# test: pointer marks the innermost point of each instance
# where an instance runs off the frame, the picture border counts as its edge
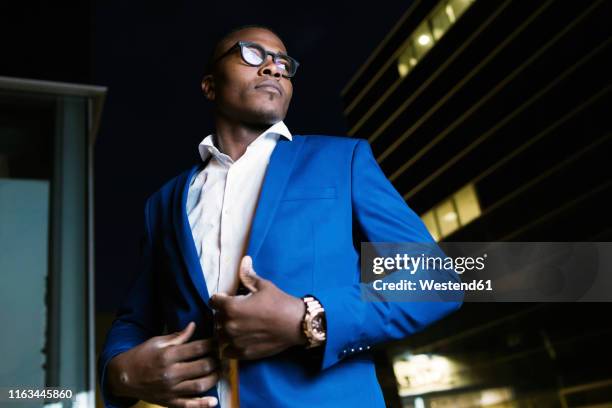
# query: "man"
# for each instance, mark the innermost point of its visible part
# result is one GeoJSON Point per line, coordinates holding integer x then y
{"type": "Point", "coordinates": [296, 206]}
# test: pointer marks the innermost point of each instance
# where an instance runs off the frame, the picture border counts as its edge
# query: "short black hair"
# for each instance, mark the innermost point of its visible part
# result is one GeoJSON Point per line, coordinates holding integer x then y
{"type": "Point", "coordinates": [228, 33]}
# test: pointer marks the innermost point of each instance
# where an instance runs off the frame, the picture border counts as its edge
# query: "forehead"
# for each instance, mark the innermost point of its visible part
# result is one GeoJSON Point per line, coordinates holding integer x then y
{"type": "Point", "coordinates": [258, 35]}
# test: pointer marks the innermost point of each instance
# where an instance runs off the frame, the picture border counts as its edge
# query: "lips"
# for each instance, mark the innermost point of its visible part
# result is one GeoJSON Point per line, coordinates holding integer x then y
{"type": "Point", "coordinates": [270, 85]}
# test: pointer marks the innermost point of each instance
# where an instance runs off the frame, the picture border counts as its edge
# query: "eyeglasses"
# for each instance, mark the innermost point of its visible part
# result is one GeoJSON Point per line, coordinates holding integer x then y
{"type": "Point", "coordinates": [255, 55]}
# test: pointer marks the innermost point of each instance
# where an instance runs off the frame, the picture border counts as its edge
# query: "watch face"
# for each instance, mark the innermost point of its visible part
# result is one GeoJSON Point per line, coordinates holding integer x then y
{"type": "Point", "coordinates": [317, 324]}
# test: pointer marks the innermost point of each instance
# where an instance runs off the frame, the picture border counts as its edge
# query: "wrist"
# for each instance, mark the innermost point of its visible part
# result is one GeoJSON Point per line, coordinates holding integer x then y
{"type": "Point", "coordinates": [300, 338]}
{"type": "Point", "coordinates": [117, 377]}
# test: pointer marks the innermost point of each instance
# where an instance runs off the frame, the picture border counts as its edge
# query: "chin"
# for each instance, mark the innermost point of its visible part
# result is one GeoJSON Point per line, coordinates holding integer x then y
{"type": "Point", "coordinates": [268, 117]}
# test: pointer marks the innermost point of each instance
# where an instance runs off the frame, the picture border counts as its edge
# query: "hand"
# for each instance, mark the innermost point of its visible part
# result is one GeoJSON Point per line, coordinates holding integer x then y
{"type": "Point", "coordinates": [167, 371]}
{"type": "Point", "coordinates": [260, 324]}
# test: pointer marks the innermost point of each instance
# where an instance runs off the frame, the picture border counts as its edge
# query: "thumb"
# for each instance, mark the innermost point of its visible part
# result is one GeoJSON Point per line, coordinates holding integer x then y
{"type": "Point", "coordinates": [248, 277]}
{"type": "Point", "coordinates": [180, 337]}
{"type": "Point", "coordinates": [219, 301]}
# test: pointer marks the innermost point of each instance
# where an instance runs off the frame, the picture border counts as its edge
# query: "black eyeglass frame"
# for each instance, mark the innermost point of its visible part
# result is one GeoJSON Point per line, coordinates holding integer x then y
{"type": "Point", "coordinates": [275, 56]}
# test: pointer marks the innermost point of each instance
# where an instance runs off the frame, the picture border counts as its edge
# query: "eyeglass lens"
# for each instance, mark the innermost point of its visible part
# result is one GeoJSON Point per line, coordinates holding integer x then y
{"type": "Point", "coordinates": [255, 56]}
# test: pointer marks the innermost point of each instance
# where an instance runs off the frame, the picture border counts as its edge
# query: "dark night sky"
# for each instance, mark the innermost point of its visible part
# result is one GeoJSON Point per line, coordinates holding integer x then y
{"type": "Point", "coordinates": [151, 54]}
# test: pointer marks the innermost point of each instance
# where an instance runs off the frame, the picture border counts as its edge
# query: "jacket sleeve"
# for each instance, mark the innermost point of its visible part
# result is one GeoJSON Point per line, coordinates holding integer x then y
{"type": "Point", "coordinates": [354, 324]}
{"type": "Point", "coordinates": [137, 320]}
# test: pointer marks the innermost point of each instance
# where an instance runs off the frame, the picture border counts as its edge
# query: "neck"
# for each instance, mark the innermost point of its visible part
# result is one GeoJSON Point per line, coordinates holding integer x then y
{"type": "Point", "coordinates": [233, 138]}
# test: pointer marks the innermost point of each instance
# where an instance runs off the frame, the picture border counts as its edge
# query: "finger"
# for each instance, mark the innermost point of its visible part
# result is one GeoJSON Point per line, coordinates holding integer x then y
{"type": "Point", "coordinates": [196, 386]}
{"type": "Point", "coordinates": [191, 350]}
{"type": "Point", "coordinates": [179, 337]}
{"type": "Point", "coordinates": [247, 274]}
{"type": "Point", "coordinates": [196, 369]}
{"type": "Point", "coordinates": [201, 402]}
{"type": "Point", "coordinates": [219, 301]}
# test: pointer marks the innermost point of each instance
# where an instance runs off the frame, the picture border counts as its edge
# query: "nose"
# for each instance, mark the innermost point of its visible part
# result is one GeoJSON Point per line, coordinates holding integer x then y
{"type": "Point", "coordinates": [270, 68]}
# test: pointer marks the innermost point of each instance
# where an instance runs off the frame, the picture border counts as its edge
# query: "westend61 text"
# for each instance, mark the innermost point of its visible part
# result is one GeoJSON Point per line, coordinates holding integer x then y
{"type": "Point", "coordinates": [430, 284]}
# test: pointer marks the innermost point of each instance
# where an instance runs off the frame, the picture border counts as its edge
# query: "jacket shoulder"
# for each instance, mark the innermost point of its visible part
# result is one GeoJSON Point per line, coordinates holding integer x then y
{"type": "Point", "coordinates": [334, 143]}
{"type": "Point", "coordinates": [329, 140]}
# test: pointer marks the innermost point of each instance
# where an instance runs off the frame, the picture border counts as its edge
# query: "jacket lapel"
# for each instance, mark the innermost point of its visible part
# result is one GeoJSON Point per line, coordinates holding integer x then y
{"type": "Point", "coordinates": [183, 232]}
{"type": "Point", "coordinates": [277, 175]}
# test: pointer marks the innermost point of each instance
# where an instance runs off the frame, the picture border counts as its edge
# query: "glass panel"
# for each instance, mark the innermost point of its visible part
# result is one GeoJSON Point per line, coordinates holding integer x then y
{"type": "Point", "coordinates": [419, 374]}
{"type": "Point", "coordinates": [459, 6]}
{"type": "Point", "coordinates": [24, 232]}
{"type": "Point", "coordinates": [430, 222]}
{"type": "Point", "coordinates": [406, 61]}
{"type": "Point", "coordinates": [450, 13]}
{"type": "Point", "coordinates": [27, 125]}
{"type": "Point", "coordinates": [447, 218]}
{"type": "Point", "coordinates": [491, 397]}
{"type": "Point", "coordinates": [70, 241]}
{"type": "Point", "coordinates": [402, 68]}
{"type": "Point", "coordinates": [467, 204]}
{"type": "Point", "coordinates": [43, 241]}
{"type": "Point", "coordinates": [440, 22]}
{"type": "Point", "coordinates": [422, 40]}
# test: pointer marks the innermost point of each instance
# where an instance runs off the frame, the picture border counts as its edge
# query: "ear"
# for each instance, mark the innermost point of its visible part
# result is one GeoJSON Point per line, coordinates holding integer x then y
{"type": "Point", "coordinates": [208, 87]}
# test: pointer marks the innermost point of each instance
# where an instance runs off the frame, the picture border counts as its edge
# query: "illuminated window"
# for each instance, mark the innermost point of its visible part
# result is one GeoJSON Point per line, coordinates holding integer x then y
{"type": "Point", "coordinates": [407, 60]}
{"type": "Point", "coordinates": [440, 22]}
{"type": "Point", "coordinates": [430, 222]}
{"type": "Point", "coordinates": [489, 397]}
{"type": "Point", "coordinates": [429, 32]}
{"type": "Point", "coordinates": [447, 218]}
{"type": "Point", "coordinates": [422, 39]}
{"type": "Point", "coordinates": [453, 213]}
{"type": "Point", "coordinates": [422, 373]}
{"type": "Point", "coordinates": [467, 204]}
{"type": "Point", "coordinates": [459, 6]}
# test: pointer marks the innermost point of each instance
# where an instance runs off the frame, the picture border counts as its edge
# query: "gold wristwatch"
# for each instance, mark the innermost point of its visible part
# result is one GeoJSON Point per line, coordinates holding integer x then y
{"type": "Point", "coordinates": [313, 323]}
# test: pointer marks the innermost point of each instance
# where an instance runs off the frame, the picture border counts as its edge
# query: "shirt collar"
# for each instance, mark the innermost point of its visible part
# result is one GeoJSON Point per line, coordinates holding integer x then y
{"type": "Point", "coordinates": [207, 146]}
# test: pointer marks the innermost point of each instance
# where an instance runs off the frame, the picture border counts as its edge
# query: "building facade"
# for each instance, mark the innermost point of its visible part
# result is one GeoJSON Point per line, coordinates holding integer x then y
{"type": "Point", "coordinates": [491, 118]}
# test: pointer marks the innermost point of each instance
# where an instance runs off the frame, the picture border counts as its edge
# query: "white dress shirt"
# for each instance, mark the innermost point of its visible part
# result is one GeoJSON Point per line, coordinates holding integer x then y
{"type": "Point", "coordinates": [221, 203]}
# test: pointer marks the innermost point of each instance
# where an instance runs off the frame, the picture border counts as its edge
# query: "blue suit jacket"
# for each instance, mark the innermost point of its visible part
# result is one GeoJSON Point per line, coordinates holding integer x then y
{"type": "Point", "coordinates": [318, 195]}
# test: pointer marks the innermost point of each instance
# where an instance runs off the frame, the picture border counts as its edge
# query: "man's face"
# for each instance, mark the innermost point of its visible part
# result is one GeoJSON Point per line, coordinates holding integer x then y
{"type": "Point", "coordinates": [253, 95]}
